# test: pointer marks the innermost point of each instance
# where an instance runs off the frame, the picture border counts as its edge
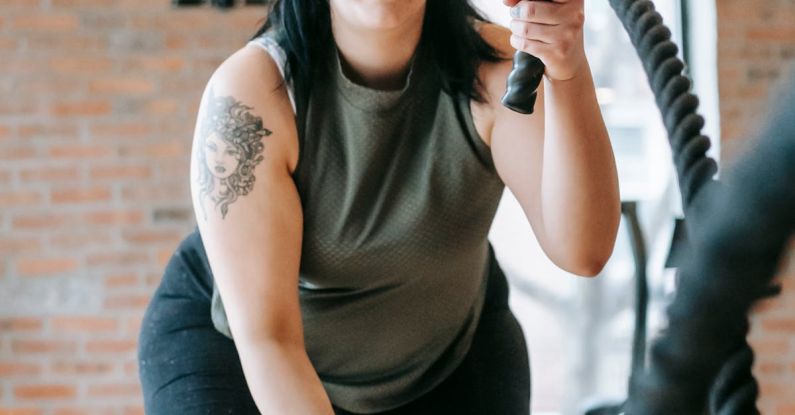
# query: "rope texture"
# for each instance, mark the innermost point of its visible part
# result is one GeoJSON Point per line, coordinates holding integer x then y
{"type": "Point", "coordinates": [702, 361]}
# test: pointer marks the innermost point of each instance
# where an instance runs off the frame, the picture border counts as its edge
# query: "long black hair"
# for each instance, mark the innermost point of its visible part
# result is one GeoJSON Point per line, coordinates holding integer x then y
{"type": "Point", "coordinates": [448, 30]}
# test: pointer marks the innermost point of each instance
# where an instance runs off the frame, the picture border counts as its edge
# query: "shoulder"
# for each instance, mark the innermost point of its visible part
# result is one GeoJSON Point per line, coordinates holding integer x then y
{"type": "Point", "coordinates": [492, 76]}
{"type": "Point", "coordinates": [253, 80]}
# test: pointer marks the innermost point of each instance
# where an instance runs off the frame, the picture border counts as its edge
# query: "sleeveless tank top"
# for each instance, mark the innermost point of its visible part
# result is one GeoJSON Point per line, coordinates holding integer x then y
{"type": "Point", "coordinates": [398, 194]}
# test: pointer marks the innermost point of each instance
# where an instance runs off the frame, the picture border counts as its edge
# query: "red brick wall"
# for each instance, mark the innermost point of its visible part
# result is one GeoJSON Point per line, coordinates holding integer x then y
{"type": "Point", "coordinates": [756, 51]}
{"type": "Point", "coordinates": [98, 102]}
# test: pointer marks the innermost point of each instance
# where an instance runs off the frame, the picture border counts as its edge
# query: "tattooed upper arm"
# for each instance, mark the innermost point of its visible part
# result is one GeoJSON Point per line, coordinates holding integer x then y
{"type": "Point", "coordinates": [230, 145]}
{"type": "Point", "coordinates": [246, 204]}
{"type": "Point", "coordinates": [234, 128]}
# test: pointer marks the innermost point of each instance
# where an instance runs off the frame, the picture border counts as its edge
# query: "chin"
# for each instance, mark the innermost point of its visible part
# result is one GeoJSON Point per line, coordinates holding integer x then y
{"type": "Point", "coordinates": [378, 14]}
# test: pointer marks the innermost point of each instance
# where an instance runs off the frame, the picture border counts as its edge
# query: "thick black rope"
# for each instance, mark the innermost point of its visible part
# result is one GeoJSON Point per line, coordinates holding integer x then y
{"type": "Point", "coordinates": [735, 255]}
{"type": "Point", "coordinates": [652, 40]}
{"type": "Point", "coordinates": [732, 263]}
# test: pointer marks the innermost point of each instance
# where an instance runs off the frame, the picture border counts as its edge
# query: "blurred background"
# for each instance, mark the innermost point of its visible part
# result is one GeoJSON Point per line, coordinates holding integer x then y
{"type": "Point", "coordinates": [98, 101]}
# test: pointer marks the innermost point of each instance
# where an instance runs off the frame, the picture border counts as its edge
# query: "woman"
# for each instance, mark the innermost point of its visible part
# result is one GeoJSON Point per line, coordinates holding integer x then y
{"type": "Point", "coordinates": [354, 265]}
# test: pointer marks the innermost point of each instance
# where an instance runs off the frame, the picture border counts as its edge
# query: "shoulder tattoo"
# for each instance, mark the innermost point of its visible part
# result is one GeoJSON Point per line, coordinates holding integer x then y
{"type": "Point", "coordinates": [230, 146]}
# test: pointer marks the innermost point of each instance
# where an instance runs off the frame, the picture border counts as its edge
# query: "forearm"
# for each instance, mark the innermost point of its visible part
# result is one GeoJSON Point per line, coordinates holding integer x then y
{"type": "Point", "coordinates": [580, 199]}
{"type": "Point", "coordinates": [282, 380]}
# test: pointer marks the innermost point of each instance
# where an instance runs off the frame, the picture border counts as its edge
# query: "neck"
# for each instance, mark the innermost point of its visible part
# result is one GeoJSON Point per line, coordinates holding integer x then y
{"type": "Point", "coordinates": [378, 59]}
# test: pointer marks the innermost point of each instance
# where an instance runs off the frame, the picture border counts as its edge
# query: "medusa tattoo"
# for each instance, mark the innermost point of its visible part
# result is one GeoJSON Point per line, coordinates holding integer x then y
{"type": "Point", "coordinates": [230, 147]}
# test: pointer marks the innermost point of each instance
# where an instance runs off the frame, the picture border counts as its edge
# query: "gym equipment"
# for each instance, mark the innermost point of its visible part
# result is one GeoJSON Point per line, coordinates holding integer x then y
{"type": "Point", "coordinates": [737, 230]}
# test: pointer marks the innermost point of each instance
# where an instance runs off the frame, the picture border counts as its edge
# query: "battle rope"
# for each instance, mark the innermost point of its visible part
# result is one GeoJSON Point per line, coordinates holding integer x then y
{"type": "Point", "coordinates": [736, 253]}
{"type": "Point", "coordinates": [734, 259]}
{"type": "Point", "coordinates": [705, 342]}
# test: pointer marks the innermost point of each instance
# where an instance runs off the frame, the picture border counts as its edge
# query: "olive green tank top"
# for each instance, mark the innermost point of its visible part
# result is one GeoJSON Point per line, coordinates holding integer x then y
{"type": "Point", "coordinates": [398, 194]}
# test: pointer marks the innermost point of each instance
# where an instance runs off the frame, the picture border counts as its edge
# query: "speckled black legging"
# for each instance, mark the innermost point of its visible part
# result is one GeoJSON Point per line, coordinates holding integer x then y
{"type": "Point", "coordinates": [187, 367]}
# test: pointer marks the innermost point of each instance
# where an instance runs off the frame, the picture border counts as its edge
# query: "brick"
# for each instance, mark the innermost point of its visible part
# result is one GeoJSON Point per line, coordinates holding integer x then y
{"type": "Point", "coordinates": [5, 177]}
{"type": "Point", "coordinates": [45, 265]}
{"type": "Point", "coordinates": [83, 324]}
{"type": "Point", "coordinates": [80, 151]}
{"type": "Point", "coordinates": [779, 325]}
{"type": "Point", "coordinates": [134, 129]}
{"type": "Point", "coordinates": [46, 22]}
{"type": "Point", "coordinates": [20, 198]}
{"type": "Point", "coordinates": [81, 367]}
{"type": "Point", "coordinates": [162, 192]}
{"type": "Point", "coordinates": [152, 280]}
{"type": "Point", "coordinates": [768, 346]}
{"type": "Point", "coordinates": [24, 4]}
{"type": "Point", "coordinates": [160, 64]}
{"type": "Point", "coordinates": [105, 22]}
{"type": "Point", "coordinates": [65, 42]}
{"type": "Point", "coordinates": [133, 325]}
{"type": "Point", "coordinates": [120, 172]}
{"type": "Point", "coordinates": [42, 221]}
{"type": "Point", "coordinates": [127, 258]}
{"type": "Point", "coordinates": [111, 346]}
{"type": "Point", "coordinates": [14, 245]}
{"type": "Point", "coordinates": [81, 3]}
{"type": "Point", "coordinates": [9, 324]}
{"type": "Point", "coordinates": [173, 148]}
{"type": "Point", "coordinates": [120, 280]}
{"type": "Point", "coordinates": [770, 369]}
{"type": "Point", "coordinates": [49, 174]}
{"type": "Point", "coordinates": [785, 409]}
{"type": "Point", "coordinates": [164, 106]}
{"type": "Point", "coordinates": [40, 346]}
{"type": "Point", "coordinates": [39, 87]}
{"type": "Point", "coordinates": [80, 65]}
{"type": "Point", "coordinates": [148, 237]}
{"type": "Point", "coordinates": [163, 256]}
{"type": "Point", "coordinates": [113, 390]}
{"type": "Point", "coordinates": [84, 410]}
{"type": "Point", "coordinates": [18, 152]}
{"type": "Point", "coordinates": [114, 217]}
{"type": "Point", "coordinates": [17, 410]}
{"type": "Point", "coordinates": [786, 34]}
{"type": "Point", "coordinates": [80, 108]}
{"type": "Point", "coordinates": [23, 67]}
{"type": "Point", "coordinates": [169, 215]}
{"type": "Point", "coordinates": [81, 240]}
{"type": "Point", "coordinates": [81, 195]}
{"type": "Point", "coordinates": [131, 368]}
{"type": "Point", "coordinates": [9, 369]}
{"type": "Point", "coordinates": [176, 41]}
{"type": "Point", "coordinates": [122, 85]}
{"type": "Point", "coordinates": [8, 44]}
{"type": "Point", "coordinates": [45, 391]}
{"type": "Point", "coordinates": [126, 301]}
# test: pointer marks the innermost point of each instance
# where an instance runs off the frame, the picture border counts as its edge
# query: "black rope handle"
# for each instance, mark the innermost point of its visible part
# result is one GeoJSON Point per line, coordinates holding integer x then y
{"type": "Point", "coordinates": [523, 81]}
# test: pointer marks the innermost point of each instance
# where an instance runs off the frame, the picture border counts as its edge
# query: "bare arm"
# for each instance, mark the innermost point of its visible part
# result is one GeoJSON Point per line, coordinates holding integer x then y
{"type": "Point", "coordinates": [250, 217]}
{"type": "Point", "coordinates": [559, 164]}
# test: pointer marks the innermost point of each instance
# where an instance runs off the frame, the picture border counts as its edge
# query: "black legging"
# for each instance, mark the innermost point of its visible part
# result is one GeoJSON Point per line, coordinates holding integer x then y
{"type": "Point", "coordinates": [187, 367]}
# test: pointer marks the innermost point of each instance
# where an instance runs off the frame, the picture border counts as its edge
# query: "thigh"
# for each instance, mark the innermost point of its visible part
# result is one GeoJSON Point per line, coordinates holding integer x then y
{"type": "Point", "coordinates": [185, 365]}
{"type": "Point", "coordinates": [495, 376]}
